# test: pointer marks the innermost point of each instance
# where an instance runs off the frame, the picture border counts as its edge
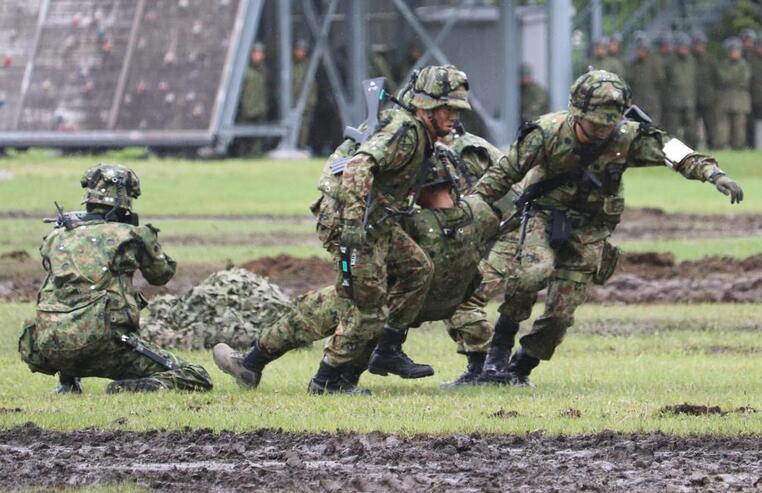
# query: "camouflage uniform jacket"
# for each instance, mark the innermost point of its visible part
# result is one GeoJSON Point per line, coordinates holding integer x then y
{"type": "Point", "coordinates": [681, 82]}
{"type": "Point", "coordinates": [609, 63]}
{"type": "Point", "coordinates": [755, 63]}
{"type": "Point", "coordinates": [88, 287]}
{"type": "Point", "coordinates": [390, 163]}
{"type": "Point", "coordinates": [645, 77]}
{"type": "Point", "coordinates": [456, 240]}
{"type": "Point", "coordinates": [299, 76]}
{"type": "Point", "coordinates": [534, 101]}
{"type": "Point", "coordinates": [551, 148]}
{"type": "Point", "coordinates": [735, 81]}
{"type": "Point", "coordinates": [706, 79]}
{"type": "Point", "coordinates": [253, 105]}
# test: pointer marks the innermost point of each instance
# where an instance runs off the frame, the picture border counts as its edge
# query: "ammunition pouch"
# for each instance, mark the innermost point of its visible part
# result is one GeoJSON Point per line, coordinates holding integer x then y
{"type": "Point", "coordinates": [613, 206]}
{"type": "Point", "coordinates": [29, 353]}
{"type": "Point", "coordinates": [609, 260]}
{"type": "Point", "coordinates": [560, 228]}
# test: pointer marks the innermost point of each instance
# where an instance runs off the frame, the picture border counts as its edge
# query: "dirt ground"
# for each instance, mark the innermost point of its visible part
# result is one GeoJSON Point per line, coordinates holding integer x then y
{"type": "Point", "coordinates": [267, 460]}
{"type": "Point", "coordinates": [640, 278]}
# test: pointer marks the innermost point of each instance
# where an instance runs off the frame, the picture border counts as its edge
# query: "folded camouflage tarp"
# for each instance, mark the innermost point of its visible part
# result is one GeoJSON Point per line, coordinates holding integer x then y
{"type": "Point", "coordinates": [230, 306]}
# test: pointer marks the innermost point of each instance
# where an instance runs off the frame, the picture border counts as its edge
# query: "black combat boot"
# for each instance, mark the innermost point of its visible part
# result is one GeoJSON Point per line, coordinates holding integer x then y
{"type": "Point", "coordinates": [68, 385]}
{"type": "Point", "coordinates": [135, 385]}
{"type": "Point", "coordinates": [496, 365]}
{"type": "Point", "coordinates": [472, 373]}
{"type": "Point", "coordinates": [333, 380]}
{"type": "Point", "coordinates": [388, 357]}
{"type": "Point", "coordinates": [352, 374]}
{"type": "Point", "coordinates": [245, 368]}
{"type": "Point", "coordinates": [520, 367]}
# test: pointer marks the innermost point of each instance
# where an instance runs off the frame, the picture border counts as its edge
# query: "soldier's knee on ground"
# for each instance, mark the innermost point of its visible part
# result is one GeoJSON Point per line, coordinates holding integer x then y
{"type": "Point", "coordinates": [189, 377]}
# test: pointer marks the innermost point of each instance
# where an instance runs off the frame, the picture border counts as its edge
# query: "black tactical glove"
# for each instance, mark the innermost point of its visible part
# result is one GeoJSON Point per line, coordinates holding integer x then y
{"type": "Point", "coordinates": [727, 186]}
{"type": "Point", "coordinates": [352, 234]}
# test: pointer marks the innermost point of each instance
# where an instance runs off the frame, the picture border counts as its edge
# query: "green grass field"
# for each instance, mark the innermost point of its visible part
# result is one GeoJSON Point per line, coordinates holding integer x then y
{"type": "Point", "coordinates": [618, 366]}
{"type": "Point", "coordinates": [287, 187]}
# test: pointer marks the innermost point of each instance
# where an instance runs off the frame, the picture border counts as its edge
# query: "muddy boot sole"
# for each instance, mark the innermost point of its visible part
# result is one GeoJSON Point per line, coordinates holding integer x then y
{"type": "Point", "coordinates": [319, 388]}
{"type": "Point", "coordinates": [231, 363]}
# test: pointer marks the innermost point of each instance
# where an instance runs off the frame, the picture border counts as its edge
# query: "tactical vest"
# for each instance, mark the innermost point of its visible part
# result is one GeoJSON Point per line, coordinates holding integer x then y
{"type": "Point", "coordinates": [83, 293]}
{"type": "Point", "coordinates": [471, 170]}
{"type": "Point", "coordinates": [583, 201]}
{"type": "Point", "coordinates": [399, 134]}
{"type": "Point", "coordinates": [454, 239]}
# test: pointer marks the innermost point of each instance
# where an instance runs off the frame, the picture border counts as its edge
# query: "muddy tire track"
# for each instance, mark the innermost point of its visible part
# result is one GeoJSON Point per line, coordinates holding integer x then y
{"type": "Point", "coordinates": [267, 460]}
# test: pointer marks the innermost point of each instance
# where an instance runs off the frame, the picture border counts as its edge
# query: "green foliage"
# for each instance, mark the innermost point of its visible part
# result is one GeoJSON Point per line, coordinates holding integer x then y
{"type": "Point", "coordinates": [618, 367]}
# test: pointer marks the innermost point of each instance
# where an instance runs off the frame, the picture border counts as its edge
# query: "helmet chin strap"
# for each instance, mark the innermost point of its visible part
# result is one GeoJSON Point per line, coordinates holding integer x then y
{"type": "Point", "coordinates": [438, 131]}
{"type": "Point", "coordinates": [592, 140]}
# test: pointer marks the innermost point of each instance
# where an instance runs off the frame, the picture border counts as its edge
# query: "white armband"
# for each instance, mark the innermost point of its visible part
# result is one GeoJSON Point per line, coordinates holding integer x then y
{"type": "Point", "coordinates": [675, 151]}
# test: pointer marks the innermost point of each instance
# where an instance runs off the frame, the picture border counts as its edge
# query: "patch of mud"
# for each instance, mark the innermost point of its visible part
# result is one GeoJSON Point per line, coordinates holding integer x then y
{"type": "Point", "coordinates": [295, 275]}
{"type": "Point", "coordinates": [650, 224]}
{"type": "Point", "coordinates": [655, 277]}
{"type": "Point", "coordinates": [640, 278]}
{"type": "Point", "coordinates": [17, 255]}
{"type": "Point", "coordinates": [259, 239]}
{"type": "Point", "coordinates": [691, 409]}
{"type": "Point", "coordinates": [267, 460]}
{"type": "Point", "coordinates": [701, 410]}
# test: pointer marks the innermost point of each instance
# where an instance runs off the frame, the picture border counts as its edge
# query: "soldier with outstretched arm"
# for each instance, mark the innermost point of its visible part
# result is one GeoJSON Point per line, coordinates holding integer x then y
{"type": "Point", "coordinates": [578, 159]}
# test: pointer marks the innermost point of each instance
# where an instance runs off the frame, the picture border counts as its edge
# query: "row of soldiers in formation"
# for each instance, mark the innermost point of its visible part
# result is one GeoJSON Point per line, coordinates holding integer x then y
{"type": "Point", "coordinates": [424, 221]}
{"type": "Point", "coordinates": [686, 89]}
{"type": "Point", "coordinates": [255, 104]}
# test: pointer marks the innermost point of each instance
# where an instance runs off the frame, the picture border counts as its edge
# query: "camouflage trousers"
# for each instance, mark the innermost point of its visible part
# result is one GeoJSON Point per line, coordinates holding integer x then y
{"type": "Point", "coordinates": [706, 115]}
{"type": "Point", "coordinates": [681, 122]}
{"type": "Point", "coordinates": [565, 272]}
{"type": "Point", "coordinates": [731, 130]}
{"type": "Point", "coordinates": [311, 317]}
{"type": "Point", "coordinates": [390, 278]}
{"type": "Point", "coordinates": [111, 358]}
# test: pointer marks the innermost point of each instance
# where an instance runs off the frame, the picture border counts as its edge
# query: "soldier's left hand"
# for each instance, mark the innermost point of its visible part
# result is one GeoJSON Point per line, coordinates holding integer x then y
{"type": "Point", "coordinates": [729, 187]}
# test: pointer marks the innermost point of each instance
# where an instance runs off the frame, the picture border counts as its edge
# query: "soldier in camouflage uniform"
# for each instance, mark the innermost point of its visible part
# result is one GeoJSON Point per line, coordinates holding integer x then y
{"type": "Point", "coordinates": [680, 108]}
{"type": "Point", "coordinates": [734, 100]}
{"type": "Point", "coordinates": [615, 51]}
{"type": "Point", "coordinates": [578, 158]}
{"type": "Point", "coordinates": [87, 310]}
{"type": "Point", "coordinates": [748, 38]}
{"type": "Point", "coordinates": [645, 76]}
{"type": "Point", "coordinates": [755, 64]}
{"type": "Point", "coordinates": [662, 59]}
{"type": "Point", "coordinates": [254, 103]}
{"type": "Point", "coordinates": [706, 88]}
{"type": "Point", "coordinates": [534, 99]}
{"type": "Point", "coordinates": [602, 60]}
{"type": "Point", "coordinates": [387, 273]}
{"type": "Point", "coordinates": [453, 234]}
{"type": "Point", "coordinates": [299, 75]}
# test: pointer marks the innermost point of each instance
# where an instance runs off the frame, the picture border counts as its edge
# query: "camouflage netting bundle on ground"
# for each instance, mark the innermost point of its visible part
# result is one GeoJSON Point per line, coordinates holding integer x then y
{"type": "Point", "coordinates": [230, 306]}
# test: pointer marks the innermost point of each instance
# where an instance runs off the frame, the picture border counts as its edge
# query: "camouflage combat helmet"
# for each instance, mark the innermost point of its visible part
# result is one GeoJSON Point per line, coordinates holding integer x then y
{"type": "Point", "coordinates": [700, 37]}
{"type": "Point", "coordinates": [732, 43]}
{"type": "Point", "coordinates": [641, 39]}
{"type": "Point", "coordinates": [682, 39]}
{"type": "Point", "coordinates": [748, 33]}
{"type": "Point", "coordinates": [600, 97]}
{"type": "Point", "coordinates": [440, 85]}
{"type": "Point", "coordinates": [112, 185]}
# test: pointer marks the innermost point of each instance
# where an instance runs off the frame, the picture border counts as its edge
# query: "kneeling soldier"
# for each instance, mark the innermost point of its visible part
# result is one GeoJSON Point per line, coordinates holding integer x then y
{"type": "Point", "coordinates": [87, 309]}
